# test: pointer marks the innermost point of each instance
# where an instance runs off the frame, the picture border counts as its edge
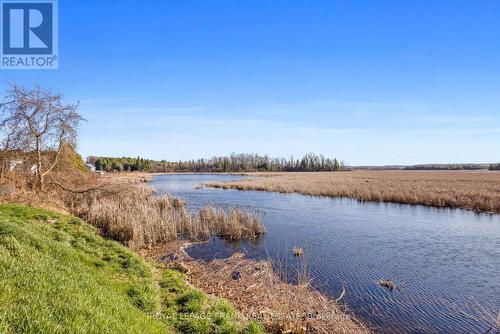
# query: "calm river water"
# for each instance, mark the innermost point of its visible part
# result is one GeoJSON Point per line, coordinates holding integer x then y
{"type": "Point", "coordinates": [445, 262]}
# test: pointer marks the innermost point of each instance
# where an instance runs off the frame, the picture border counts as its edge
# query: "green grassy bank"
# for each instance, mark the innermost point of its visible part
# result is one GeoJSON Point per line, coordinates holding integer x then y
{"type": "Point", "coordinates": [59, 276]}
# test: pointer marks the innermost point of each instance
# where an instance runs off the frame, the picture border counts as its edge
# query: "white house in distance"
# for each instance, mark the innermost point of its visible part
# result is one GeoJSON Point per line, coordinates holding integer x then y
{"type": "Point", "coordinates": [90, 167]}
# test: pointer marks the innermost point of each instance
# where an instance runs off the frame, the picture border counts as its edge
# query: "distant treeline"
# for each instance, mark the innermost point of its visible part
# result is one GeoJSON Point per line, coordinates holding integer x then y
{"type": "Point", "coordinates": [448, 167]}
{"type": "Point", "coordinates": [232, 163]}
{"type": "Point", "coordinates": [109, 164]}
{"type": "Point", "coordinates": [494, 167]}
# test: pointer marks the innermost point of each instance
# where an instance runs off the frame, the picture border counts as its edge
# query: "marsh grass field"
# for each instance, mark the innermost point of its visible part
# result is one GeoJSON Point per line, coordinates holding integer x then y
{"type": "Point", "coordinates": [476, 191]}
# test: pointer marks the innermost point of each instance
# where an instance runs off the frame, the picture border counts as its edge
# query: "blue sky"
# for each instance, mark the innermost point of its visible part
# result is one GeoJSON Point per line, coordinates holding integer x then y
{"type": "Point", "coordinates": [370, 82]}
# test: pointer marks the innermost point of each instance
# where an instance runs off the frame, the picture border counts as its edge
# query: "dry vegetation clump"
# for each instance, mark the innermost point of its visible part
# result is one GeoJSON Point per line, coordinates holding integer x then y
{"type": "Point", "coordinates": [234, 224]}
{"type": "Point", "coordinates": [138, 218]}
{"type": "Point", "coordinates": [477, 191]}
{"type": "Point", "coordinates": [258, 293]}
{"type": "Point", "coordinates": [135, 218]}
{"type": "Point", "coordinates": [128, 178]}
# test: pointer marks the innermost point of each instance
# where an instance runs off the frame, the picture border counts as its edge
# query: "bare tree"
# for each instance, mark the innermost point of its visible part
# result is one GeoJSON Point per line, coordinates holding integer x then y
{"type": "Point", "coordinates": [39, 124]}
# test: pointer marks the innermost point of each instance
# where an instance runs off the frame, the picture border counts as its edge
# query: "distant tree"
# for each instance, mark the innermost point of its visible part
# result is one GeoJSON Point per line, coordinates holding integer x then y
{"type": "Point", "coordinates": [336, 165]}
{"type": "Point", "coordinates": [115, 166]}
{"type": "Point", "coordinates": [494, 167]}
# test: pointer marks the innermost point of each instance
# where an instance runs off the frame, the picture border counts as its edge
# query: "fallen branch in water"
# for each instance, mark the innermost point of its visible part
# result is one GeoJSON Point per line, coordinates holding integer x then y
{"type": "Point", "coordinates": [341, 295]}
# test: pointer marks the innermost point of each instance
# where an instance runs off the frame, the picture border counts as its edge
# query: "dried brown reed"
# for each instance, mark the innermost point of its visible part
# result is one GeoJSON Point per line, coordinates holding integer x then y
{"type": "Point", "coordinates": [478, 191]}
{"type": "Point", "coordinates": [135, 216]}
{"type": "Point", "coordinates": [233, 224]}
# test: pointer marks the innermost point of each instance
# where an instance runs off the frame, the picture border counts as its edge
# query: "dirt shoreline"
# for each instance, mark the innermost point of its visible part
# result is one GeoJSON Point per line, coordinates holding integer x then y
{"type": "Point", "coordinates": [257, 292]}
